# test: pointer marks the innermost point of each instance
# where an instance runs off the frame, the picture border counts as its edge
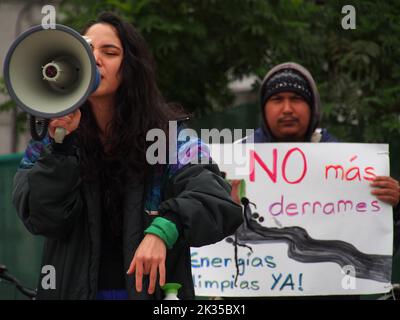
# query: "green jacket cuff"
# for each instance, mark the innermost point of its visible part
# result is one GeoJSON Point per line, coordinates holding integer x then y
{"type": "Point", "coordinates": [164, 229]}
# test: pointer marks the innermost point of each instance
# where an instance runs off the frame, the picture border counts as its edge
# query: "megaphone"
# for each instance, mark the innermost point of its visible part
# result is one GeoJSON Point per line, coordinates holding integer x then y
{"type": "Point", "coordinates": [49, 73]}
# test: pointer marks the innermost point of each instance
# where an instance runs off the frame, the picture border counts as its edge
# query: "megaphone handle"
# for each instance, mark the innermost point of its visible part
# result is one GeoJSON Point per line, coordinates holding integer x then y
{"type": "Point", "coordinates": [59, 134]}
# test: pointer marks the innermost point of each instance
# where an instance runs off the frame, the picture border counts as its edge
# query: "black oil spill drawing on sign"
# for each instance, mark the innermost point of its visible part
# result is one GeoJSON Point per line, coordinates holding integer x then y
{"type": "Point", "coordinates": [303, 248]}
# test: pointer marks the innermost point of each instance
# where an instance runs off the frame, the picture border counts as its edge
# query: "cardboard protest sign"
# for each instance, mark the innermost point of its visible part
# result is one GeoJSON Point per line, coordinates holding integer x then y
{"type": "Point", "coordinates": [311, 225]}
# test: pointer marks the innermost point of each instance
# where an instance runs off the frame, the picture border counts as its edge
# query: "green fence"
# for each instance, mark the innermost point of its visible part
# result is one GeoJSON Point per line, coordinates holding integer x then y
{"type": "Point", "coordinates": [19, 250]}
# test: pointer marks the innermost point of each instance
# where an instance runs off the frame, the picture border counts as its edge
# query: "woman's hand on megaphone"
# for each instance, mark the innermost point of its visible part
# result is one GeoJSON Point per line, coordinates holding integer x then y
{"type": "Point", "coordinates": [70, 122]}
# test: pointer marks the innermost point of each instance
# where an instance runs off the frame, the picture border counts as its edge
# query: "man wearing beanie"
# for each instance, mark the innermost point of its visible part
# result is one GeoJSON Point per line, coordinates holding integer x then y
{"type": "Point", "coordinates": [290, 105]}
{"type": "Point", "coordinates": [291, 110]}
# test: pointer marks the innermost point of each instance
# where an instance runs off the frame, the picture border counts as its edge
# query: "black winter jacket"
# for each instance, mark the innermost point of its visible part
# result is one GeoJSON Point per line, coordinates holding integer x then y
{"type": "Point", "coordinates": [52, 201]}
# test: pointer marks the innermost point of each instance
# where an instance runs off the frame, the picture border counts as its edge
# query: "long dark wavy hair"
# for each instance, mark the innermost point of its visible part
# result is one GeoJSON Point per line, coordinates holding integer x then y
{"type": "Point", "coordinates": [139, 107]}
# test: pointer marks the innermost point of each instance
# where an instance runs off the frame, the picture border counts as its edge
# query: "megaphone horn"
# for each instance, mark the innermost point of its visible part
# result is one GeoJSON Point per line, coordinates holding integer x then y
{"type": "Point", "coordinates": [49, 73]}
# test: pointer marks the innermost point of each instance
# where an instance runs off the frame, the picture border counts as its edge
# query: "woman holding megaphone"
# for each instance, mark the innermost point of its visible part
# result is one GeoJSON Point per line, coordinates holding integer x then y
{"type": "Point", "coordinates": [115, 226]}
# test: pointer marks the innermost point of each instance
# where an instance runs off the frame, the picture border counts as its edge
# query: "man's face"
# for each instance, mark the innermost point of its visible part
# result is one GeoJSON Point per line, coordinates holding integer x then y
{"type": "Point", "coordinates": [288, 116]}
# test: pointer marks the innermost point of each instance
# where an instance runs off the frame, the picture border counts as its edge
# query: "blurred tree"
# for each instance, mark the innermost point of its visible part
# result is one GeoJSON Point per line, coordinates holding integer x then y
{"type": "Point", "coordinates": [201, 45]}
{"type": "Point", "coordinates": [360, 77]}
